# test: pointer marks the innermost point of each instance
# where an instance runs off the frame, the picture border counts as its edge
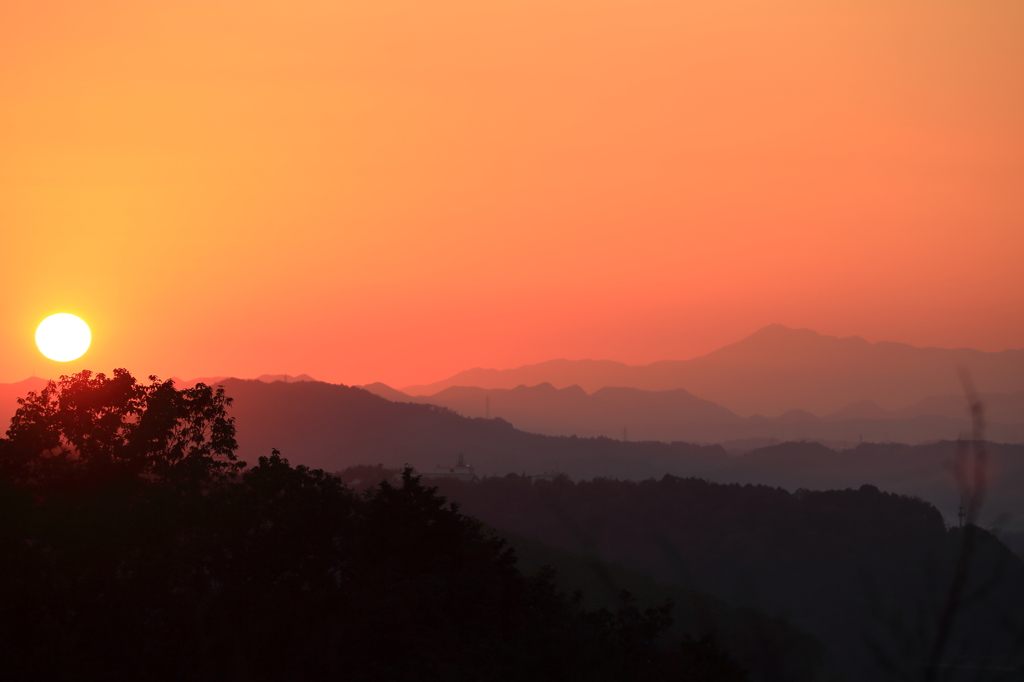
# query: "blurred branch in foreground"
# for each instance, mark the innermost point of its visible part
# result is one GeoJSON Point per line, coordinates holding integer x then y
{"type": "Point", "coordinates": [971, 476]}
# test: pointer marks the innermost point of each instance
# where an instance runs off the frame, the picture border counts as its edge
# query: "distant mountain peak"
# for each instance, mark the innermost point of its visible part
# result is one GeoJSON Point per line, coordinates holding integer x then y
{"type": "Point", "coordinates": [779, 333]}
{"type": "Point", "coordinates": [385, 391]}
{"type": "Point", "coordinates": [545, 386]}
{"type": "Point", "coordinates": [286, 378]}
{"type": "Point", "coordinates": [776, 369]}
{"type": "Point", "coordinates": [265, 378]}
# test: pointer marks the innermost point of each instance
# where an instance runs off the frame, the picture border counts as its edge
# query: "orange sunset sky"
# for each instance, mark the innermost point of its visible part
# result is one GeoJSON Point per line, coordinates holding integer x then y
{"type": "Point", "coordinates": [396, 191]}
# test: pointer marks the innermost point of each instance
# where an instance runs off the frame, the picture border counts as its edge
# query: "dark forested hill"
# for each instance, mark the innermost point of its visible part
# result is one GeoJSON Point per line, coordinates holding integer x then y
{"type": "Point", "coordinates": [769, 648]}
{"type": "Point", "coordinates": [924, 471]}
{"type": "Point", "coordinates": [858, 568]}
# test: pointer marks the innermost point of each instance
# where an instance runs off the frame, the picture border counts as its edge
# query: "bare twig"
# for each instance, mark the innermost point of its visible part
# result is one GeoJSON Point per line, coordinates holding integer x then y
{"type": "Point", "coordinates": [972, 491]}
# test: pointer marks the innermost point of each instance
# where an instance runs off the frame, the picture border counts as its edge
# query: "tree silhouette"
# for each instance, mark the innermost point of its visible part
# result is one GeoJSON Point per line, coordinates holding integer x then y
{"type": "Point", "coordinates": [94, 426]}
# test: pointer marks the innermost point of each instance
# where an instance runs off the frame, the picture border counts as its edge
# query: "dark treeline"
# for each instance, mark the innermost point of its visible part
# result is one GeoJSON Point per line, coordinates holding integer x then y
{"type": "Point", "coordinates": [865, 571]}
{"type": "Point", "coordinates": [769, 648]}
{"type": "Point", "coordinates": [131, 547]}
{"type": "Point", "coordinates": [924, 471]}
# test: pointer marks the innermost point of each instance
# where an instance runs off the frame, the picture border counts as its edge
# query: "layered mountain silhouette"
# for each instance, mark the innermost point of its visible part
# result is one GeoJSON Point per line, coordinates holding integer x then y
{"type": "Point", "coordinates": [778, 369]}
{"type": "Point", "coordinates": [662, 415]}
{"type": "Point", "coordinates": [677, 415]}
{"type": "Point", "coordinates": [332, 427]}
{"type": "Point", "coordinates": [266, 378]}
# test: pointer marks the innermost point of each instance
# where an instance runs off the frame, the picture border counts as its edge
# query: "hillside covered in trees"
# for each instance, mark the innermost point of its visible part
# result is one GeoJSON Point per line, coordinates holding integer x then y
{"type": "Point", "coordinates": [867, 572]}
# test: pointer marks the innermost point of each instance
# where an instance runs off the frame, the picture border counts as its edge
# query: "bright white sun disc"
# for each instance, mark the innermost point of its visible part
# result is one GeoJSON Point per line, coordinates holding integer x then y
{"type": "Point", "coordinates": [63, 337]}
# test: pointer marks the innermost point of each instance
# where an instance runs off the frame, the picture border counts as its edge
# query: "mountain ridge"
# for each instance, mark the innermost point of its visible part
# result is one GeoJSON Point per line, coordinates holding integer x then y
{"type": "Point", "coordinates": [680, 416]}
{"type": "Point", "coordinates": [777, 369]}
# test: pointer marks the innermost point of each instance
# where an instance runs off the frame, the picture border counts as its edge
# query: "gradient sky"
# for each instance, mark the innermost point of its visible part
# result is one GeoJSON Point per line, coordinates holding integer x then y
{"type": "Point", "coordinates": [397, 191]}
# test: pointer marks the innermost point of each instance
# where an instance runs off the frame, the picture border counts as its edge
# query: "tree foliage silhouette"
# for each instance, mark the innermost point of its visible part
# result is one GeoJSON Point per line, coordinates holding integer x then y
{"type": "Point", "coordinates": [94, 425]}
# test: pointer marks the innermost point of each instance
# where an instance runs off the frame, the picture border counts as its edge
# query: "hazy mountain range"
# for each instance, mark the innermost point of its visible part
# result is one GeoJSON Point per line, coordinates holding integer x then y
{"type": "Point", "coordinates": [813, 387]}
{"type": "Point", "coordinates": [266, 378]}
{"type": "Point", "coordinates": [677, 415]}
{"type": "Point", "coordinates": [776, 370]}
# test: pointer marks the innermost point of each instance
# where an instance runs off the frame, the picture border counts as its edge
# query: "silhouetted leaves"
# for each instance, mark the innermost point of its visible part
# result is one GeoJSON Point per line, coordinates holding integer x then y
{"type": "Point", "coordinates": [94, 426]}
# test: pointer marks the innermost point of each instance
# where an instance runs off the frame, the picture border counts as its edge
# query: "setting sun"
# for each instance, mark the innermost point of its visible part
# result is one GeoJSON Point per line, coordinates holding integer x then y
{"type": "Point", "coordinates": [63, 337]}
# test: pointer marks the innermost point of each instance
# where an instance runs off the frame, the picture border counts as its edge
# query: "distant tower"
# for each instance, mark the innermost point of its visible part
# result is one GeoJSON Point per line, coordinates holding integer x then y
{"type": "Point", "coordinates": [625, 433]}
{"type": "Point", "coordinates": [462, 460]}
{"type": "Point", "coordinates": [487, 406]}
{"type": "Point", "coordinates": [961, 512]}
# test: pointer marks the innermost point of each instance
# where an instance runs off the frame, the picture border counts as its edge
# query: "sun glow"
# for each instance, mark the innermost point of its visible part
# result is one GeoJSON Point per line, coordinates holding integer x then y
{"type": "Point", "coordinates": [63, 337]}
